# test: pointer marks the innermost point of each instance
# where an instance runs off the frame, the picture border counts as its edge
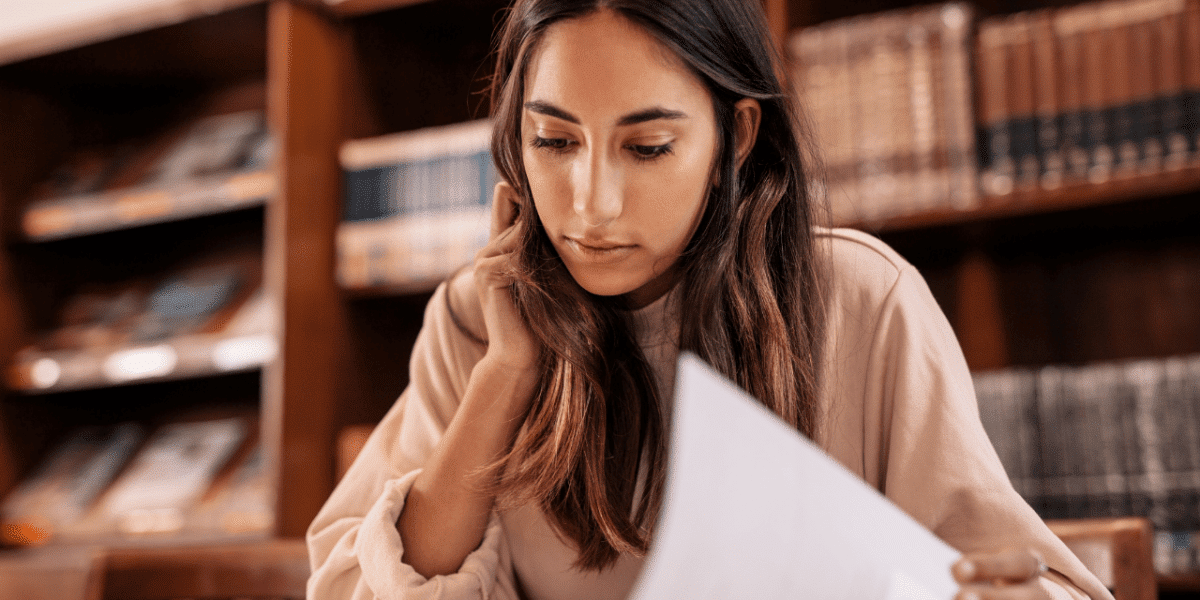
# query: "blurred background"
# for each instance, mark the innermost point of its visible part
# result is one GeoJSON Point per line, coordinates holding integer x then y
{"type": "Point", "coordinates": [220, 221]}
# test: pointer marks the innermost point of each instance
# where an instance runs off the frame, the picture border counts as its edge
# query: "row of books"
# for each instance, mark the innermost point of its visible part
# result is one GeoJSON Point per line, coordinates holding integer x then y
{"type": "Point", "coordinates": [1087, 93]}
{"type": "Point", "coordinates": [107, 483]}
{"type": "Point", "coordinates": [214, 163]}
{"type": "Point", "coordinates": [1104, 440]}
{"type": "Point", "coordinates": [925, 108]}
{"type": "Point", "coordinates": [888, 98]}
{"type": "Point", "coordinates": [416, 206]}
{"type": "Point", "coordinates": [209, 316]}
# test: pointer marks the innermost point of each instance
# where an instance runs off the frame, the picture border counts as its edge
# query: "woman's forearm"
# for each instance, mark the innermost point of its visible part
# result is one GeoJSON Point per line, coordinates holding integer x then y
{"type": "Point", "coordinates": [446, 511]}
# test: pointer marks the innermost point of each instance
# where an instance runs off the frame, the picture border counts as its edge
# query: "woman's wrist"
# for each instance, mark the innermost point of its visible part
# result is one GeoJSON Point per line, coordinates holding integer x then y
{"type": "Point", "coordinates": [508, 384]}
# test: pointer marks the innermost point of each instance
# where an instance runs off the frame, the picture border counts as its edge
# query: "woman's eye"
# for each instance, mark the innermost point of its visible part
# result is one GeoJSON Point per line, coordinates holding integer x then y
{"type": "Point", "coordinates": [552, 144]}
{"type": "Point", "coordinates": [648, 153]}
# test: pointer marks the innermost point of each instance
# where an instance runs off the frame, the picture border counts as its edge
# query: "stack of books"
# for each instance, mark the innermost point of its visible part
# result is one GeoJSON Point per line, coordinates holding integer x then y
{"type": "Point", "coordinates": [889, 99]}
{"type": "Point", "coordinates": [211, 164]}
{"type": "Point", "coordinates": [1087, 93]}
{"type": "Point", "coordinates": [209, 316]}
{"type": "Point", "coordinates": [113, 483]}
{"type": "Point", "coordinates": [1105, 440]}
{"type": "Point", "coordinates": [416, 206]}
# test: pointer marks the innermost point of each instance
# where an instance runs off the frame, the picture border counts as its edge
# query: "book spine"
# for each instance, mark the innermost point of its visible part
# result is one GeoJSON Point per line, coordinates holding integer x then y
{"type": "Point", "coordinates": [904, 196]}
{"type": "Point", "coordinates": [996, 160]}
{"type": "Point", "coordinates": [1147, 120]}
{"type": "Point", "coordinates": [1054, 444]}
{"type": "Point", "coordinates": [878, 136]}
{"type": "Point", "coordinates": [1167, 52]}
{"type": "Point", "coordinates": [991, 399]}
{"type": "Point", "coordinates": [1112, 492]}
{"type": "Point", "coordinates": [844, 186]}
{"type": "Point", "coordinates": [1152, 478]}
{"type": "Point", "coordinates": [1047, 111]}
{"type": "Point", "coordinates": [1121, 81]}
{"type": "Point", "coordinates": [926, 192]}
{"type": "Point", "coordinates": [1191, 77]}
{"type": "Point", "coordinates": [1022, 117]}
{"type": "Point", "coordinates": [815, 70]}
{"type": "Point", "coordinates": [866, 117]}
{"type": "Point", "coordinates": [1070, 43]}
{"type": "Point", "coordinates": [1030, 432]}
{"type": "Point", "coordinates": [1180, 461]}
{"type": "Point", "coordinates": [1096, 102]}
{"type": "Point", "coordinates": [958, 22]}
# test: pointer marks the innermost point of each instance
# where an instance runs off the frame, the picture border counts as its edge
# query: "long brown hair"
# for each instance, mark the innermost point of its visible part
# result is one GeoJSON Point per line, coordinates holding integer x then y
{"type": "Point", "coordinates": [750, 274]}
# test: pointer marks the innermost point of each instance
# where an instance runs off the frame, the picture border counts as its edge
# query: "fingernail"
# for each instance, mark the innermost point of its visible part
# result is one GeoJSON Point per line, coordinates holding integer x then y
{"type": "Point", "coordinates": [969, 596]}
{"type": "Point", "coordinates": [966, 571]}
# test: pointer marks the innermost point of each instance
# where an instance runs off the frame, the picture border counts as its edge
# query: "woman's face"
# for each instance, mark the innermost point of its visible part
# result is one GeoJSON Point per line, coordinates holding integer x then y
{"type": "Point", "coordinates": [619, 140]}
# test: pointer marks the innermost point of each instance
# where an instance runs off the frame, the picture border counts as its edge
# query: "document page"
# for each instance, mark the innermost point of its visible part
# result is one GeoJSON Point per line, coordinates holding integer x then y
{"type": "Point", "coordinates": [754, 510]}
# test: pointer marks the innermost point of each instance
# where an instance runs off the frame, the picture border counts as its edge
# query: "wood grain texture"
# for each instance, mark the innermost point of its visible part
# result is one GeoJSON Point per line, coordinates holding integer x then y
{"type": "Point", "coordinates": [980, 318]}
{"type": "Point", "coordinates": [33, 32]}
{"type": "Point", "coordinates": [307, 56]}
{"type": "Point", "coordinates": [1118, 551]}
{"type": "Point", "coordinates": [275, 569]}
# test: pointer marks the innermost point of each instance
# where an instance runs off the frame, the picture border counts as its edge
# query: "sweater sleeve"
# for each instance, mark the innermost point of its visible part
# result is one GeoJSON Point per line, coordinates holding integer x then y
{"type": "Point", "coordinates": [354, 547]}
{"type": "Point", "coordinates": [936, 461]}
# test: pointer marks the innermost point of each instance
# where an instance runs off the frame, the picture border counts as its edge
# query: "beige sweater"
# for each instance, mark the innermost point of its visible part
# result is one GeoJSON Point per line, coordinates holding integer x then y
{"type": "Point", "coordinates": [898, 409]}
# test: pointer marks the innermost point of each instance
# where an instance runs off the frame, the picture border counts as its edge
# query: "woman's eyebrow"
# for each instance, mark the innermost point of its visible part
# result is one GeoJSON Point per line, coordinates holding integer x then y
{"type": "Point", "coordinates": [641, 116]}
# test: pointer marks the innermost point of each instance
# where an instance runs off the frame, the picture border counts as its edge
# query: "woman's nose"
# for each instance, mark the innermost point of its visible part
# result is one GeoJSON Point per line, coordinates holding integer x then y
{"type": "Point", "coordinates": [598, 193]}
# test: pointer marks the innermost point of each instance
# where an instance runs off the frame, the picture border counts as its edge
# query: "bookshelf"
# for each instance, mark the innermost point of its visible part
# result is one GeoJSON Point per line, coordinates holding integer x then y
{"type": "Point", "coordinates": [138, 87]}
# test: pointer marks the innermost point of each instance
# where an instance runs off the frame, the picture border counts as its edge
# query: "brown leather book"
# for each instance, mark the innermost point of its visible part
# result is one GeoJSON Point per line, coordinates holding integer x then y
{"type": "Point", "coordinates": [1117, 81]}
{"type": "Point", "coordinates": [993, 111]}
{"type": "Point", "coordinates": [1020, 88]}
{"type": "Point", "coordinates": [1066, 24]}
{"type": "Point", "coordinates": [1096, 94]}
{"type": "Point", "coordinates": [1046, 98]}
{"type": "Point", "coordinates": [1191, 76]}
{"type": "Point", "coordinates": [1147, 120]}
{"type": "Point", "coordinates": [958, 26]}
{"type": "Point", "coordinates": [1167, 56]}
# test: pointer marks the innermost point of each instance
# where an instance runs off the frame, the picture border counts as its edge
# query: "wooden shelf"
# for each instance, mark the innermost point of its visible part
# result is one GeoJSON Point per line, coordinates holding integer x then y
{"type": "Point", "coordinates": [184, 357]}
{"type": "Point", "coordinates": [1179, 583]}
{"type": "Point", "coordinates": [1072, 197]}
{"type": "Point", "coordinates": [74, 216]}
{"type": "Point", "coordinates": [52, 27]}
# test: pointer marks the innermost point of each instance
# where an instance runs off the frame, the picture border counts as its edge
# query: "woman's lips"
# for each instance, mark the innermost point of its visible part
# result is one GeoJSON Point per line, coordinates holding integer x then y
{"type": "Point", "coordinates": [599, 251]}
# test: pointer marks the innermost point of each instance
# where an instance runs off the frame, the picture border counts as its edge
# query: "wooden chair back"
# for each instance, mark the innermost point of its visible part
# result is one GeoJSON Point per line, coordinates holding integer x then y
{"type": "Point", "coordinates": [1119, 551]}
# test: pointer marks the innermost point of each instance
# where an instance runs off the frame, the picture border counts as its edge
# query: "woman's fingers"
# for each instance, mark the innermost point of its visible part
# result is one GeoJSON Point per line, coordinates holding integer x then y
{"type": "Point", "coordinates": [503, 243]}
{"type": "Point", "coordinates": [1027, 591]}
{"type": "Point", "coordinates": [1011, 566]}
{"type": "Point", "coordinates": [504, 208]}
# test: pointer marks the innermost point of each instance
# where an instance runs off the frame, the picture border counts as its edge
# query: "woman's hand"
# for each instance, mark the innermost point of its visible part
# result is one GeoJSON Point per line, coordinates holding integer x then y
{"type": "Point", "coordinates": [1006, 575]}
{"type": "Point", "coordinates": [446, 511]}
{"type": "Point", "coordinates": [510, 345]}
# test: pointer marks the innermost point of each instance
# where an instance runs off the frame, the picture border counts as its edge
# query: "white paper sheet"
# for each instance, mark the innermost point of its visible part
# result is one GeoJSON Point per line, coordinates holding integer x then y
{"type": "Point", "coordinates": [754, 510]}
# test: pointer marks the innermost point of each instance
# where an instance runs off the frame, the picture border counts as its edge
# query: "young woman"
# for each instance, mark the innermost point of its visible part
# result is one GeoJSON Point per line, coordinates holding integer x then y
{"type": "Point", "coordinates": [658, 200]}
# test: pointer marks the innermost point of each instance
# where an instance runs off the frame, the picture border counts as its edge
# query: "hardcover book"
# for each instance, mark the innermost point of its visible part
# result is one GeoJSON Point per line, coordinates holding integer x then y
{"type": "Point", "coordinates": [62, 489]}
{"type": "Point", "coordinates": [170, 474]}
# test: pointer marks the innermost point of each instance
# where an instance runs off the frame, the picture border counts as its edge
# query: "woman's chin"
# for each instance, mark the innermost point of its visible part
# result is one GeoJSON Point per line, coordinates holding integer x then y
{"type": "Point", "coordinates": [637, 292]}
{"type": "Point", "coordinates": [605, 287]}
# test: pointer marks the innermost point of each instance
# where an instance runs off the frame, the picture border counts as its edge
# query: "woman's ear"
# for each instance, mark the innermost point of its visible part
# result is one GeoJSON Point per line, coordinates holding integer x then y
{"type": "Point", "coordinates": [747, 115]}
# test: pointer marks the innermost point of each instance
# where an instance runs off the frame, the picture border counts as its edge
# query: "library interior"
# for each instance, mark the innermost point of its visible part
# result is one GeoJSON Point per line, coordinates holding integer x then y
{"type": "Point", "coordinates": [221, 222]}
